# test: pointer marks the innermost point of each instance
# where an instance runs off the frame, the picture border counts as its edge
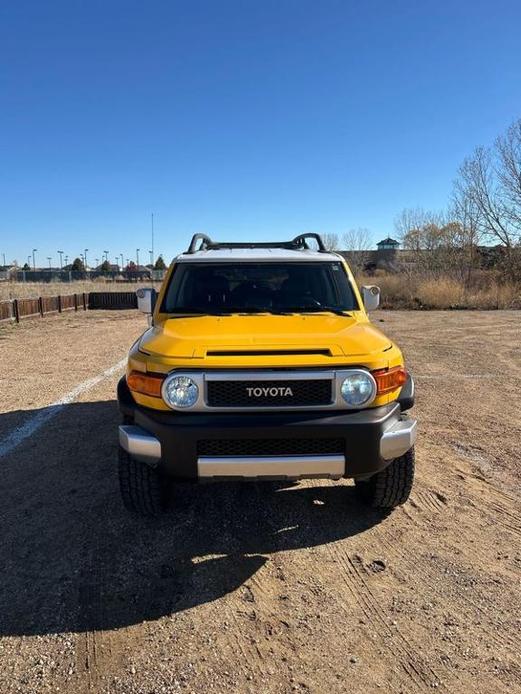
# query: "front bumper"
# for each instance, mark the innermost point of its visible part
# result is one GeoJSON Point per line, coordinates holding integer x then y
{"type": "Point", "coordinates": [370, 440]}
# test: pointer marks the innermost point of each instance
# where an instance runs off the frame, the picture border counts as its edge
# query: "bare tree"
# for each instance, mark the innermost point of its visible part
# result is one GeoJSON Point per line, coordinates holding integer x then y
{"type": "Point", "coordinates": [485, 207]}
{"type": "Point", "coordinates": [467, 233]}
{"type": "Point", "coordinates": [408, 220]}
{"type": "Point", "coordinates": [409, 223]}
{"type": "Point", "coordinates": [488, 179]}
{"type": "Point", "coordinates": [330, 241]}
{"type": "Point", "coordinates": [357, 239]}
{"type": "Point", "coordinates": [479, 182]}
{"type": "Point", "coordinates": [508, 148]}
{"type": "Point", "coordinates": [357, 246]}
{"type": "Point", "coordinates": [427, 236]}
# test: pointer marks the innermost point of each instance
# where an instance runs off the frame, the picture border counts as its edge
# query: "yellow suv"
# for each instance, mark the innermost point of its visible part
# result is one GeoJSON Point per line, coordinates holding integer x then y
{"type": "Point", "coordinates": [260, 363]}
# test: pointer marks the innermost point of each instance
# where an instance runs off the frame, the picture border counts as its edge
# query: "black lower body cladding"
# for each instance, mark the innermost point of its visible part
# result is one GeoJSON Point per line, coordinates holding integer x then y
{"type": "Point", "coordinates": [184, 436]}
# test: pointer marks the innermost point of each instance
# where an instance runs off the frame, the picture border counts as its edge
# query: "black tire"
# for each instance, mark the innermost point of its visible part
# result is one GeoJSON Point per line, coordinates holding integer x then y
{"type": "Point", "coordinates": [144, 489]}
{"type": "Point", "coordinates": [390, 487]}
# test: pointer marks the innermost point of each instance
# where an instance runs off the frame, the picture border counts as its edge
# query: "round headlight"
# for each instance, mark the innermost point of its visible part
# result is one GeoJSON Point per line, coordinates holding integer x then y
{"type": "Point", "coordinates": [180, 391]}
{"type": "Point", "coordinates": [358, 389]}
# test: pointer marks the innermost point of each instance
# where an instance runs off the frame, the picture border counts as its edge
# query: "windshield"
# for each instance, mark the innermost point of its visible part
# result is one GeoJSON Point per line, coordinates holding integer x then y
{"type": "Point", "coordinates": [224, 288]}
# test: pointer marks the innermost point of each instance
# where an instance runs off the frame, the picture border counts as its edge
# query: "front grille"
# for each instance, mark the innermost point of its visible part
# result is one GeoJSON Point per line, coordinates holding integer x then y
{"type": "Point", "coordinates": [269, 393]}
{"type": "Point", "coordinates": [264, 447]}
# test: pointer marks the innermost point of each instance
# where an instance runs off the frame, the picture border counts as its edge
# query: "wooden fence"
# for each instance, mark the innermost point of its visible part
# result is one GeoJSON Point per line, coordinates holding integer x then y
{"type": "Point", "coordinates": [112, 300]}
{"type": "Point", "coordinates": [17, 309]}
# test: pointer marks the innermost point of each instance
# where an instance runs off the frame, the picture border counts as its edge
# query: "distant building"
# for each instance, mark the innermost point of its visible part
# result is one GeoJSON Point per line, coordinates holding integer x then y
{"type": "Point", "coordinates": [388, 244]}
{"type": "Point", "coordinates": [387, 256]}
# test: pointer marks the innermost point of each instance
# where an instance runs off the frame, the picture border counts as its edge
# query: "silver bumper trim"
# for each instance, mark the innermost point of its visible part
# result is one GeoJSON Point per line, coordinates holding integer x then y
{"type": "Point", "coordinates": [398, 439]}
{"type": "Point", "coordinates": [140, 444]}
{"type": "Point", "coordinates": [272, 467]}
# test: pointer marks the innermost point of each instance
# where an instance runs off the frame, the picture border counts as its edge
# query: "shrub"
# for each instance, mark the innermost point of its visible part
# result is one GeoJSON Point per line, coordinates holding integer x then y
{"type": "Point", "coordinates": [412, 291]}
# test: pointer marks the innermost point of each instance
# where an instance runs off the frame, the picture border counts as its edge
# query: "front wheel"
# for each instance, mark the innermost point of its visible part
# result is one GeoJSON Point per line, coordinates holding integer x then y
{"type": "Point", "coordinates": [390, 487]}
{"type": "Point", "coordinates": [144, 489]}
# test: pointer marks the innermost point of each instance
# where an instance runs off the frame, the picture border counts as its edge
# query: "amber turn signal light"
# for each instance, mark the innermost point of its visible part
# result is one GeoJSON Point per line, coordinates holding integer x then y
{"type": "Point", "coordinates": [145, 384]}
{"type": "Point", "coordinates": [389, 379]}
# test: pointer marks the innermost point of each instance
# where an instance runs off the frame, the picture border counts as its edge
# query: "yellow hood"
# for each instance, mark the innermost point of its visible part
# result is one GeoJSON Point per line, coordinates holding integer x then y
{"type": "Point", "coordinates": [324, 335]}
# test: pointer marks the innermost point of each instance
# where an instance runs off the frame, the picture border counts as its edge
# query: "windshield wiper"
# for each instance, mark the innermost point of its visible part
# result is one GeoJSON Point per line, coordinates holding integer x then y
{"type": "Point", "coordinates": [335, 310]}
{"type": "Point", "coordinates": [197, 314]}
{"type": "Point", "coordinates": [321, 309]}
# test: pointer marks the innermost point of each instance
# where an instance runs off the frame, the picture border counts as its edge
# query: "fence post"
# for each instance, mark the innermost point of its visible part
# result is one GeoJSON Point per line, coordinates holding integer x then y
{"type": "Point", "coordinates": [84, 301]}
{"type": "Point", "coordinates": [40, 306]}
{"type": "Point", "coordinates": [75, 301]}
{"type": "Point", "coordinates": [59, 303]}
{"type": "Point", "coordinates": [16, 311]}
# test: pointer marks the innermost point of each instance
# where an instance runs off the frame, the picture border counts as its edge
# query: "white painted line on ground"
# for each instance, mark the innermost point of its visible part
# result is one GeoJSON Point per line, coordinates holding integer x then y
{"type": "Point", "coordinates": [34, 423]}
{"type": "Point", "coordinates": [452, 375]}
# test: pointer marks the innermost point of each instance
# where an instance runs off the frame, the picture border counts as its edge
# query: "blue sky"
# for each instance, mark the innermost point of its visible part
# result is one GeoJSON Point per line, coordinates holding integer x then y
{"type": "Point", "coordinates": [246, 120]}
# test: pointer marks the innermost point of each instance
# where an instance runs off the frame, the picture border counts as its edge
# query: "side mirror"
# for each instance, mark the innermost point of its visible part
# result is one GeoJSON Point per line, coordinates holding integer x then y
{"type": "Point", "coordinates": [371, 297]}
{"type": "Point", "coordinates": [146, 300]}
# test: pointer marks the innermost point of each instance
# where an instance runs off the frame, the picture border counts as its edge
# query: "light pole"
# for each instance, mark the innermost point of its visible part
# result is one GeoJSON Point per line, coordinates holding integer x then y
{"type": "Point", "coordinates": [29, 261]}
{"type": "Point", "coordinates": [60, 253]}
{"type": "Point", "coordinates": [152, 251]}
{"type": "Point", "coordinates": [86, 258]}
{"type": "Point", "coordinates": [106, 255]}
{"type": "Point", "coordinates": [49, 258]}
{"type": "Point", "coordinates": [66, 260]}
{"type": "Point", "coordinates": [3, 255]}
{"type": "Point", "coordinates": [137, 257]}
{"type": "Point", "coordinates": [34, 259]}
{"type": "Point", "coordinates": [121, 256]}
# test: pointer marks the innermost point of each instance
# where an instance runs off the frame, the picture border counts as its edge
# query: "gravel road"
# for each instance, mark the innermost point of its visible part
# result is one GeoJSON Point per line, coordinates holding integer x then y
{"type": "Point", "coordinates": [259, 587]}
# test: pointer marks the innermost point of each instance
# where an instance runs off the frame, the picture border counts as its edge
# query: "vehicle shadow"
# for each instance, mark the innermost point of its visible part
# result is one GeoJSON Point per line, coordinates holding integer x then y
{"type": "Point", "coordinates": [73, 559]}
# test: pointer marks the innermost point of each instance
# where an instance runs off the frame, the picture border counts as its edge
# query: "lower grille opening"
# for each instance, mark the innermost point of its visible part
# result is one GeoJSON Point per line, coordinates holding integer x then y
{"type": "Point", "coordinates": [263, 447]}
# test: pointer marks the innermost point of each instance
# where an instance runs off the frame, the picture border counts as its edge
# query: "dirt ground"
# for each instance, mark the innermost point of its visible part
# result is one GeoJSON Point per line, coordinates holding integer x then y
{"type": "Point", "coordinates": [259, 587]}
{"type": "Point", "coordinates": [21, 290]}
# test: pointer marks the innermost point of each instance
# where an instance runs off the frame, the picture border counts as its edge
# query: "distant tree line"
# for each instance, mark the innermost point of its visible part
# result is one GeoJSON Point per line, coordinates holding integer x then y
{"type": "Point", "coordinates": [356, 243]}
{"type": "Point", "coordinates": [77, 270]}
{"type": "Point", "coordinates": [482, 223]}
{"type": "Point", "coordinates": [480, 229]}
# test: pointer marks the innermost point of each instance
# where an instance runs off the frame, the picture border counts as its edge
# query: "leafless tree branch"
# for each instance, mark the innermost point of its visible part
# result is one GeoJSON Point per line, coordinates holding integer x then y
{"type": "Point", "coordinates": [357, 244]}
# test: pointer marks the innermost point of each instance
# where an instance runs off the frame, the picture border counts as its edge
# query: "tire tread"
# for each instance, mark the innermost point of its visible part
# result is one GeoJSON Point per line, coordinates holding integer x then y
{"type": "Point", "coordinates": [143, 488]}
{"type": "Point", "coordinates": [392, 486]}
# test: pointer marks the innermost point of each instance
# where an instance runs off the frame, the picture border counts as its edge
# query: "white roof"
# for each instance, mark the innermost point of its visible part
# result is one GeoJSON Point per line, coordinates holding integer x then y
{"type": "Point", "coordinates": [257, 255]}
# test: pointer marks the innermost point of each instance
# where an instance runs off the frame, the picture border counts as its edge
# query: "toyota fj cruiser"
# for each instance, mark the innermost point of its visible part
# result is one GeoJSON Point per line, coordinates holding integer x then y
{"type": "Point", "coordinates": [260, 363]}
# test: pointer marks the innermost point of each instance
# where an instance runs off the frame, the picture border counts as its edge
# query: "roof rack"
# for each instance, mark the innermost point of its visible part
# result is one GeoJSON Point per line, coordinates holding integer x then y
{"type": "Point", "coordinates": [298, 243]}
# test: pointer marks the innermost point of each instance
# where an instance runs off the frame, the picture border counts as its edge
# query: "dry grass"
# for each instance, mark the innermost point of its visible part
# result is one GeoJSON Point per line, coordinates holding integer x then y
{"type": "Point", "coordinates": [23, 290]}
{"type": "Point", "coordinates": [415, 292]}
{"type": "Point", "coordinates": [398, 291]}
